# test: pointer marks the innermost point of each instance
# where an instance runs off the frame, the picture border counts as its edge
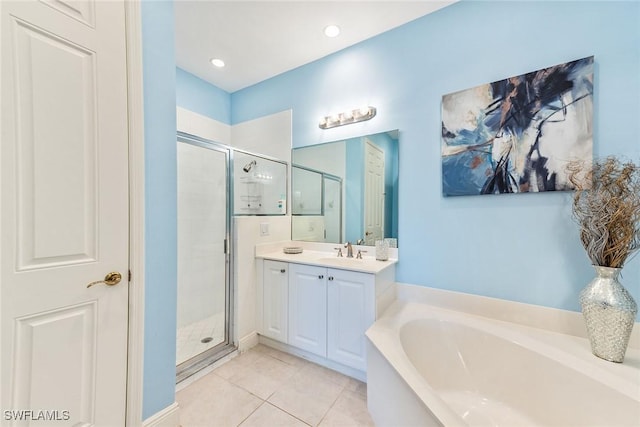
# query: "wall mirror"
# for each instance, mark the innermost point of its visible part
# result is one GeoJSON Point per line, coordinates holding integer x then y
{"type": "Point", "coordinates": [346, 190]}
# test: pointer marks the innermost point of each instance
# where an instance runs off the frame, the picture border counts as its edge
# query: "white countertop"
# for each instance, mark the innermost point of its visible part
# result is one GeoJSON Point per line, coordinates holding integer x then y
{"type": "Point", "coordinates": [329, 259]}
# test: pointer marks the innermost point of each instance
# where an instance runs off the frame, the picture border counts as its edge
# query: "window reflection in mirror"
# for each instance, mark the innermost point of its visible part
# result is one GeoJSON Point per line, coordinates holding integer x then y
{"type": "Point", "coordinates": [346, 190]}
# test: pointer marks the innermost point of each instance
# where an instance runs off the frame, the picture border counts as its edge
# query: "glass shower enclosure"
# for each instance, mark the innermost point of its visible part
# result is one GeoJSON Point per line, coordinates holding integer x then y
{"type": "Point", "coordinates": [203, 288]}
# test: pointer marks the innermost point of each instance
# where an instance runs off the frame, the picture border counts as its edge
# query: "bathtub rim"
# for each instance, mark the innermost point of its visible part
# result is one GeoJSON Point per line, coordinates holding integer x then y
{"type": "Point", "coordinates": [384, 336]}
{"type": "Point", "coordinates": [552, 319]}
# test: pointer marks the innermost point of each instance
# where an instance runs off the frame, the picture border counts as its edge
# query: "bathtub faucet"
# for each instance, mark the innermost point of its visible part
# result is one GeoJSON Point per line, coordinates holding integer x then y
{"type": "Point", "coordinates": [349, 249]}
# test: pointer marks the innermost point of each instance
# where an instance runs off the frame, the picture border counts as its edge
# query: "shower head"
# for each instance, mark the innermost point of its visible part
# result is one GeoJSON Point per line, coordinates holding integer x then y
{"type": "Point", "coordinates": [249, 165]}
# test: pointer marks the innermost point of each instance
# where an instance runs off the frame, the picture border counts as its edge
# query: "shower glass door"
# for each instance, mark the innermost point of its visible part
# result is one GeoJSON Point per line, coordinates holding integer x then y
{"type": "Point", "coordinates": [203, 254]}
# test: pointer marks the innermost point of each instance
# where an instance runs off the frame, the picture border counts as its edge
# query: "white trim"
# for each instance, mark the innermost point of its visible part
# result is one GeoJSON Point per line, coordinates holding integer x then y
{"type": "Point", "coordinates": [168, 417]}
{"type": "Point", "coordinates": [135, 103]}
{"type": "Point", "coordinates": [248, 341]}
{"type": "Point", "coordinates": [318, 360]}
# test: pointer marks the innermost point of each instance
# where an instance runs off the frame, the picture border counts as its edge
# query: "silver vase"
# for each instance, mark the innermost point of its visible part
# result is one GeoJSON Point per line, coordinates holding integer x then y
{"type": "Point", "coordinates": [609, 312]}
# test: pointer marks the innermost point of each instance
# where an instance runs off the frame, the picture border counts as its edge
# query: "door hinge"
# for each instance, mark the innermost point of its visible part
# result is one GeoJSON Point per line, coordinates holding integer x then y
{"type": "Point", "coordinates": [129, 276]}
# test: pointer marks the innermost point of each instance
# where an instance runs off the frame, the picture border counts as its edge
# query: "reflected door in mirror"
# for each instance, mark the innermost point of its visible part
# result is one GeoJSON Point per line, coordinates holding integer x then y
{"type": "Point", "coordinates": [367, 168]}
{"type": "Point", "coordinates": [373, 193]}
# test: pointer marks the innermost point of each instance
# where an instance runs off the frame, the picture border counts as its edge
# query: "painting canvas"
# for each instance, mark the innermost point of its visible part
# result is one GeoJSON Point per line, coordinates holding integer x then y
{"type": "Point", "coordinates": [517, 135]}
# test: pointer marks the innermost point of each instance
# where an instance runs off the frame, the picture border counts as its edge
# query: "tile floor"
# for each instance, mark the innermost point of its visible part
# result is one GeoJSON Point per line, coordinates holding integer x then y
{"type": "Point", "coordinates": [189, 337]}
{"type": "Point", "coordinates": [266, 387]}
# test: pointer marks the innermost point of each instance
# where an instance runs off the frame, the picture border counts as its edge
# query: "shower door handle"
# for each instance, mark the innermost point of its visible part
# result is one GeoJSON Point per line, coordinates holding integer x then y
{"type": "Point", "coordinates": [110, 279]}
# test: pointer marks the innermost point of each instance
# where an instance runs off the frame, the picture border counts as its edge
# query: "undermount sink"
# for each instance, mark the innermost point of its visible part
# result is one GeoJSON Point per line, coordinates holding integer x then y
{"type": "Point", "coordinates": [346, 261]}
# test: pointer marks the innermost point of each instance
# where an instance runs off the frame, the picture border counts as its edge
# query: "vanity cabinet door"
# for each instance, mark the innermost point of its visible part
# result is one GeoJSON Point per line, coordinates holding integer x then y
{"type": "Point", "coordinates": [308, 308]}
{"type": "Point", "coordinates": [351, 310]}
{"type": "Point", "coordinates": [275, 300]}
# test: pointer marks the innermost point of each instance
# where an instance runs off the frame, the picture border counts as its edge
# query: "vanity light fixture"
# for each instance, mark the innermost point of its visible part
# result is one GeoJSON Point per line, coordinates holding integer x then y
{"type": "Point", "coordinates": [346, 118]}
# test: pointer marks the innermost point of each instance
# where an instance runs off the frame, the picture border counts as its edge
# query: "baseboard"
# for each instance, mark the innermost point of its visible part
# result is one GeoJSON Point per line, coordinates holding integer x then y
{"type": "Point", "coordinates": [247, 342]}
{"type": "Point", "coordinates": [318, 360]}
{"type": "Point", "coordinates": [168, 417]}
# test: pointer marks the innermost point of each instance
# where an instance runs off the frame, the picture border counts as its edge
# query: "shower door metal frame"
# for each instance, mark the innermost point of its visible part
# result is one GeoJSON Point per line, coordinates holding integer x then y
{"type": "Point", "coordinates": [210, 356]}
{"type": "Point", "coordinates": [323, 176]}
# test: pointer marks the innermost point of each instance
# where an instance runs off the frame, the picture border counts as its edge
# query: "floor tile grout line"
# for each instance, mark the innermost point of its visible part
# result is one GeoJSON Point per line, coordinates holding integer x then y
{"type": "Point", "coordinates": [288, 413]}
{"type": "Point", "coordinates": [252, 412]}
{"type": "Point", "coordinates": [285, 362]}
{"type": "Point", "coordinates": [297, 369]}
{"type": "Point", "coordinates": [250, 392]}
{"type": "Point", "coordinates": [343, 387]}
{"type": "Point", "coordinates": [266, 401]}
{"type": "Point", "coordinates": [332, 404]}
{"type": "Point", "coordinates": [293, 367]}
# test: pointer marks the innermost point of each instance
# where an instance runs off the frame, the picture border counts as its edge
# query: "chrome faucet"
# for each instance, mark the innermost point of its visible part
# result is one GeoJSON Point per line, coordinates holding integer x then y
{"type": "Point", "coordinates": [349, 249]}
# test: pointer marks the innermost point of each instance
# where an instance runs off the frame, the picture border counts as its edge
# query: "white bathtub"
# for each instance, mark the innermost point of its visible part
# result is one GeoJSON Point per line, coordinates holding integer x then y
{"type": "Point", "coordinates": [431, 366]}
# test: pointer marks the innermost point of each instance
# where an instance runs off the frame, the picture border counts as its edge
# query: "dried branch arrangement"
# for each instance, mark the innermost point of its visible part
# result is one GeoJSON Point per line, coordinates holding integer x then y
{"type": "Point", "coordinates": [606, 206]}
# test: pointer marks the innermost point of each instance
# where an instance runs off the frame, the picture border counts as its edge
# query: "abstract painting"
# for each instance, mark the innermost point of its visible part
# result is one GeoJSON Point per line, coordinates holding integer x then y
{"type": "Point", "coordinates": [517, 135]}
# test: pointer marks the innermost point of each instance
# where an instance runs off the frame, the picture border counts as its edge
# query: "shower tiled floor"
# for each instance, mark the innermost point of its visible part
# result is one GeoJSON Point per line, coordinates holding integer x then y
{"type": "Point", "coordinates": [266, 387]}
{"type": "Point", "coordinates": [189, 338]}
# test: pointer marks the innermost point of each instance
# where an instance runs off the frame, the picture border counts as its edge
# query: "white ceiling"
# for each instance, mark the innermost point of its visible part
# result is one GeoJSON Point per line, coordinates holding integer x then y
{"type": "Point", "coordinates": [261, 39]}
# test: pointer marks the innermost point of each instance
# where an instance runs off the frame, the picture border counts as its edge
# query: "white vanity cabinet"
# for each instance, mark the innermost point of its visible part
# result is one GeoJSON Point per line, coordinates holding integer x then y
{"type": "Point", "coordinates": [329, 312]}
{"type": "Point", "coordinates": [350, 311]}
{"type": "Point", "coordinates": [308, 308]}
{"type": "Point", "coordinates": [275, 300]}
{"type": "Point", "coordinates": [319, 311]}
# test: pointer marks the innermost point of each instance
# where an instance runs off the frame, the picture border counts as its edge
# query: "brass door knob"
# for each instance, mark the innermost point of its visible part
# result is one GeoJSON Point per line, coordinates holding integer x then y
{"type": "Point", "coordinates": [110, 279]}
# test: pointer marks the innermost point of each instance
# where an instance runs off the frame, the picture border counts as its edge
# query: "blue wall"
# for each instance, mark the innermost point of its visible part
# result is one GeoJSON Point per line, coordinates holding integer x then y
{"type": "Point", "coordinates": [521, 247]}
{"type": "Point", "coordinates": [518, 247]}
{"type": "Point", "coordinates": [158, 55]}
{"type": "Point", "coordinates": [202, 97]}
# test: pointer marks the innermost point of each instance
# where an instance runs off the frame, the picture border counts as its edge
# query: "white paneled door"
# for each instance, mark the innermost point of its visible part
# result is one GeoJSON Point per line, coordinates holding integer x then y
{"type": "Point", "coordinates": [64, 213]}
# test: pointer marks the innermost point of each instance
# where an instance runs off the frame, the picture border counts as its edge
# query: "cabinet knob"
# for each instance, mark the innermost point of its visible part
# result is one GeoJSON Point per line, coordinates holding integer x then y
{"type": "Point", "coordinates": [321, 277]}
{"type": "Point", "coordinates": [330, 277]}
{"type": "Point", "coordinates": [282, 270]}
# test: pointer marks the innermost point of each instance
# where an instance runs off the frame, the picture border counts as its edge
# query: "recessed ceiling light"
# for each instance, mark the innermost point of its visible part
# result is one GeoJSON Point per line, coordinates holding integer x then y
{"type": "Point", "coordinates": [216, 62]}
{"type": "Point", "coordinates": [331, 30]}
